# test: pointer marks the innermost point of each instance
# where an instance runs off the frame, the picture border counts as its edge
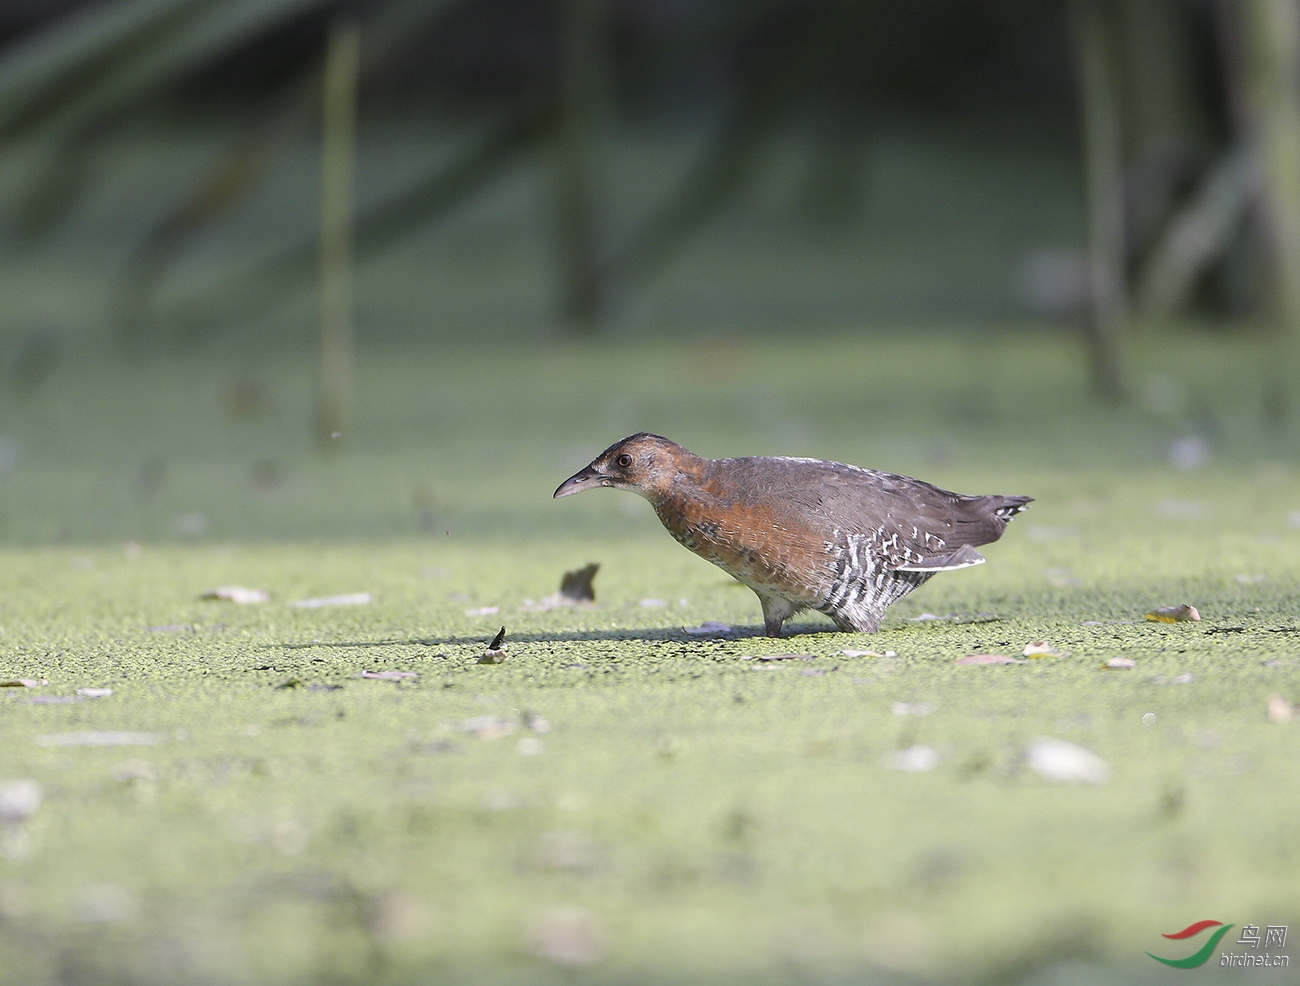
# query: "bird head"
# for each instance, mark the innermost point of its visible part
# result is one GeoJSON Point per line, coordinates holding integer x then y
{"type": "Point", "coordinates": [643, 463]}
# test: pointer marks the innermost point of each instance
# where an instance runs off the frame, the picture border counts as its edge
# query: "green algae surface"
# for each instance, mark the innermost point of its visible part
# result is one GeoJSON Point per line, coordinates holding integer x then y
{"type": "Point", "coordinates": [260, 799]}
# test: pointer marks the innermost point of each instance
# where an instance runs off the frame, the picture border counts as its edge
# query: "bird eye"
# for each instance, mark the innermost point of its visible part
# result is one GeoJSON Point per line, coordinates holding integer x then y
{"type": "Point", "coordinates": [623, 461]}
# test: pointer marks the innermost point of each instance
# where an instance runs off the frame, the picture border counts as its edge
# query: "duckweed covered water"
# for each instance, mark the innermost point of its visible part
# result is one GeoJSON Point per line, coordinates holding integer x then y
{"type": "Point", "coordinates": [623, 802]}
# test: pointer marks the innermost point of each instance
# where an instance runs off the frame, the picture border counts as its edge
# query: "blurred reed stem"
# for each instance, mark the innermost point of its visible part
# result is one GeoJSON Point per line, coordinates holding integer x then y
{"type": "Point", "coordinates": [1096, 66]}
{"type": "Point", "coordinates": [338, 158]}
{"type": "Point", "coordinates": [581, 88]}
{"type": "Point", "coordinates": [1272, 30]}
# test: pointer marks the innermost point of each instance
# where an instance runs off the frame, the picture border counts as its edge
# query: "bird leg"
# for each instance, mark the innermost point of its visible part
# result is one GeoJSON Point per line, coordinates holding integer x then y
{"type": "Point", "coordinates": [775, 612]}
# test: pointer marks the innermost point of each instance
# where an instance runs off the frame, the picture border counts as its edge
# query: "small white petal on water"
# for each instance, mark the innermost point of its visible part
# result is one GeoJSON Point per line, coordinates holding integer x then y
{"type": "Point", "coordinates": [1120, 664]}
{"type": "Point", "coordinates": [19, 799]}
{"type": "Point", "coordinates": [568, 936]}
{"type": "Point", "coordinates": [95, 692]}
{"type": "Point", "coordinates": [911, 708]}
{"type": "Point", "coordinates": [93, 737]}
{"type": "Point", "coordinates": [1059, 760]}
{"type": "Point", "coordinates": [1279, 709]}
{"type": "Point", "coordinates": [237, 594]}
{"type": "Point", "coordinates": [346, 599]}
{"type": "Point", "coordinates": [708, 627]}
{"type": "Point", "coordinates": [913, 759]}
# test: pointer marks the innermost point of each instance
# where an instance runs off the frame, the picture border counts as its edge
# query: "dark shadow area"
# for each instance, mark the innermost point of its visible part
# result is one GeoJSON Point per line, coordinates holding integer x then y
{"type": "Point", "coordinates": [803, 631]}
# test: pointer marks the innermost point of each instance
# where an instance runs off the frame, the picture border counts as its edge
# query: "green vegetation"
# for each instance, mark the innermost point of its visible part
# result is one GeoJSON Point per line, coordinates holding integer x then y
{"type": "Point", "coordinates": [683, 814]}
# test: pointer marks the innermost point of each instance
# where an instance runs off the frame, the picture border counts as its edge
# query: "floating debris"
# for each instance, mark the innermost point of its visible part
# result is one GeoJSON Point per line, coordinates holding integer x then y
{"type": "Point", "coordinates": [708, 627]}
{"type": "Point", "coordinates": [778, 657]}
{"type": "Point", "coordinates": [24, 683]}
{"type": "Point", "coordinates": [990, 659]}
{"type": "Point", "coordinates": [95, 692]}
{"type": "Point", "coordinates": [389, 675]}
{"type": "Point", "coordinates": [576, 585]}
{"type": "Point", "coordinates": [483, 611]}
{"type": "Point", "coordinates": [575, 590]}
{"type": "Point", "coordinates": [489, 727]}
{"type": "Point", "coordinates": [1040, 648]}
{"type": "Point", "coordinates": [911, 708]}
{"type": "Point", "coordinates": [237, 594]}
{"type": "Point", "coordinates": [535, 723]}
{"type": "Point", "coordinates": [1059, 760]}
{"type": "Point", "coordinates": [94, 737]}
{"type": "Point", "coordinates": [567, 936]}
{"type": "Point", "coordinates": [19, 800]}
{"type": "Point", "coordinates": [496, 650]}
{"type": "Point", "coordinates": [868, 653]}
{"type": "Point", "coordinates": [346, 599]}
{"type": "Point", "coordinates": [1120, 664]}
{"type": "Point", "coordinates": [1174, 614]}
{"type": "Point", "coordinates": [914, 759]}
{"type": "Point", "coordinates": [1279, 709]}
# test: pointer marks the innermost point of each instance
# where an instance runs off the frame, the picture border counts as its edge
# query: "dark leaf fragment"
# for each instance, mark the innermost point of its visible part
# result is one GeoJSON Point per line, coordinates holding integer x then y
{"type": "Point", "coordinates": [576, 585]}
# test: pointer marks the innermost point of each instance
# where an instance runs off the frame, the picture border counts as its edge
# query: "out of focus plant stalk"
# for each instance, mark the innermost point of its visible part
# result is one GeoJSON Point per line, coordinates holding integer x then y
{"type": "Point", "coordinates": [1096, 66]}
{"type": "Point", "coordinates": [1272, 32]}
{"type": "Point", "coordinates": [338, 157]}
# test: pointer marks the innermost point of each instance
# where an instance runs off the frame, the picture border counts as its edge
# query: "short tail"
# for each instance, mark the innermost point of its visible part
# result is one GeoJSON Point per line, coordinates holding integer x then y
{"type": "Point", "coordinates": [1009, 506]}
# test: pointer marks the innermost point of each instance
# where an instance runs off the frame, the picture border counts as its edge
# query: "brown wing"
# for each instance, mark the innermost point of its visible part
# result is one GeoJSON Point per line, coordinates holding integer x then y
{"type": "Point", "coordinates": [915, 525]}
